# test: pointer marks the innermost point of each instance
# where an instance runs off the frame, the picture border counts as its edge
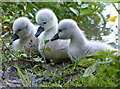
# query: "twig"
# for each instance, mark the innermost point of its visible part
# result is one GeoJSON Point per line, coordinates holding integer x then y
{"type": "Point", "coordinates": [34, 6]}
{"type": "Point", "coordinates": [116, 8]}
{"type": "Point", "coordinates": [103, 21]}
{"type": "Point", "coordinates": [15, 55]}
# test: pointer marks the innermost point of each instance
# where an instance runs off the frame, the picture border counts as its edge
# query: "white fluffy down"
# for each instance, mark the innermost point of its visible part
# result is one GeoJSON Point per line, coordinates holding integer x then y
{"type": "Point", "coordinates": [79, 45]}
{"type": "Point", "coordinates": [59, 48]}
{"type": "Point", "coordinates": [26, 31]}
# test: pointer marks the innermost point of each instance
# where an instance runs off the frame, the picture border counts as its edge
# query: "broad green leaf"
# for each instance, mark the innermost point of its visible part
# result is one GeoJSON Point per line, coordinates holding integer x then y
{"type": "Point", "coordinates": [86, 62]}
{"type": "Point", "coordinates": [85, 11]}
{"type": "Point", "coordinates": [91, 69]}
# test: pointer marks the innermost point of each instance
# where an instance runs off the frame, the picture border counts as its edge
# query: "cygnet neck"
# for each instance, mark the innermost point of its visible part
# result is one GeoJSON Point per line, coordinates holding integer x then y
{"type": "Point", "coordinates": [77, 38]}
{"type": "Point", "coordinates": [50, 33]}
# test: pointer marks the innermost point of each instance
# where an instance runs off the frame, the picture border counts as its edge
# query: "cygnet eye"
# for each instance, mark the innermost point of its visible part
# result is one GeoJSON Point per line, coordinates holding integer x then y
{"type": "Point", "coordinates": [44, 22]}
{"type": "Point", "coordinates": [60, 30]}
{"type": "Point", "coordinates": [19, 30]}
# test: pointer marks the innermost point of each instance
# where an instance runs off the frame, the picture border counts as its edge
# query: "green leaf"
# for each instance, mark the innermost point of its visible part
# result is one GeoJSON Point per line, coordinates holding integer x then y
{"type": "Point", "coordinates": [112, 52]}
{"type": "Point", "coordinates": [86, 62]}
{"type": "Point", "coordinates": [27, 78]}
{"type": "Point", "coordinates": [111, 71]}
{"type": "Point", "coordinates": [48, 49]}
{"type": "Point", "coordinates": [21, 76]}
{"type": "Point", "coordinates": [102, 6]}
{"type": "Point", "coordinates": [103, 69]}
{"type": "Point", "coordinates": [44, 85]}
{"type": "Point", "coordinates": [57, 77]}
{"type": "Point", "coordinates": [91, 69]}
{"type": "Point", "coordinates": [74, 11]}
{"type": "Point", "coordinates": [84, 5]}
{"type": "Point", "coordinates": [46, 41]}
{"type": "Point", "coordinates": [85, 11]}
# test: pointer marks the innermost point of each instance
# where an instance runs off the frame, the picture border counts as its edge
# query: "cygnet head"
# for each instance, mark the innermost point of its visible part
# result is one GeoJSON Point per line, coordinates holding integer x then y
{"type": "Point", "coordinates": [46, 19]}
{"type": "Point", "coordinates": [21, 28]}
{"type": "Point", "coordinates": [65, 29]}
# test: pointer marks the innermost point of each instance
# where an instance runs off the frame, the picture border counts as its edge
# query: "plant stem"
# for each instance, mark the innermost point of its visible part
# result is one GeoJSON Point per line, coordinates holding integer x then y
{"type": "Point", "coordinates": [116, 8]}
{"type": "Point", "coordinates": [15, 55]}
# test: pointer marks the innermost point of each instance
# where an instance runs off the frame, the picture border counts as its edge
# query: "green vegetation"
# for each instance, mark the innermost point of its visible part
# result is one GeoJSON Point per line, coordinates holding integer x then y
{"type": "Point", "coordinates": [96, 70]}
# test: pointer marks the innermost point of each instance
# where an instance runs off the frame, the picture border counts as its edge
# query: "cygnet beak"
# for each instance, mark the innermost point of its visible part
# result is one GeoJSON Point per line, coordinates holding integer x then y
{"type": "Point", "coordinates": [39, 31]}
{"type": "Point", "coordinates": [14, 37]}
{"type": "Point", "coordinates": [55, 37]}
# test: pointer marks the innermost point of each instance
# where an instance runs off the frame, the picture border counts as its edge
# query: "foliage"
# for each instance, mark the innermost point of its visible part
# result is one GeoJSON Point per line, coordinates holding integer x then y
{"type": "Point", "coordinates": [96, 70]}
{"type": "Point", "coordinates": [103, 73]}
{"type": "Point", "coordinates": [87, 15]}
{"type": "Point", "coordinates": [25, 79]}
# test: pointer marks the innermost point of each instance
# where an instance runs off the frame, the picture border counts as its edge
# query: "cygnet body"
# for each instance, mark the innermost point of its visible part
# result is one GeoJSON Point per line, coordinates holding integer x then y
{"type": "Point", "coordinates": [48, 23]}
{"type": "Point", "coordinates": [79, 45]}
{"type": "Point", "coordinates": [24, 36]}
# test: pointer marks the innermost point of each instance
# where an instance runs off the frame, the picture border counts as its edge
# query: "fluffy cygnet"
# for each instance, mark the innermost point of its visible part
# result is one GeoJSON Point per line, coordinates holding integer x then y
{"type": "Point", "coordinates": [48, 24]}
{"type": "Point", "coordinates": [79, 46]}
{"type": "Point", "coordinates": [24, 36]}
